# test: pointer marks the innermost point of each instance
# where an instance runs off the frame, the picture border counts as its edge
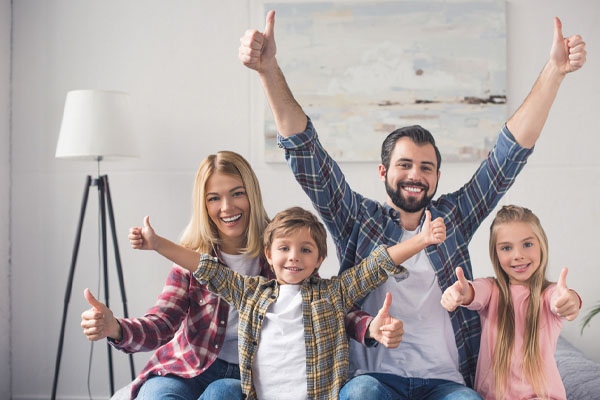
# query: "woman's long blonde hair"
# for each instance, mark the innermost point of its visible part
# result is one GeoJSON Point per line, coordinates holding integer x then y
{"type": "Point", "coordinates": [532, 360]}
{"type": "Point", "coordinates": [201, 234]}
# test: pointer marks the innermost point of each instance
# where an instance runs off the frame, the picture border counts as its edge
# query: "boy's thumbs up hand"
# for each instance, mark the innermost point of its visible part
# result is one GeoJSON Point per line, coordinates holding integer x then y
{"type": "Point", "coordinates": [384, 328]}
{"type": "Point", "coordinates": [461, 292]}
{"type": "Point", "coordinates": [98, 322]}
{"type": "Point", "coordinates": [566, 302]}
{"type": "Point", "coordinates": [434, 231]}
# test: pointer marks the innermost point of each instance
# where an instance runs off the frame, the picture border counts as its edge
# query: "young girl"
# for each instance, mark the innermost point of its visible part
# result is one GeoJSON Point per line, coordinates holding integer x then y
{"type": "Point", "coordinates": [521, 312]}
{"type": "Point", "coordinates": [193, 332]}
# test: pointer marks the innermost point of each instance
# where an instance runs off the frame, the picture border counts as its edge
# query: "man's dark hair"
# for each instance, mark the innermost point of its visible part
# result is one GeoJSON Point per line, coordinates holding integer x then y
{"type": "Point", "coordinates": [416, 133]}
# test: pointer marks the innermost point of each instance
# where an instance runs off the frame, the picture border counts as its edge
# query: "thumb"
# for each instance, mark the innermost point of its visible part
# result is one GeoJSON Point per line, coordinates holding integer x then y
{"type": "Point", "coordinates": [558, 36]}
{"type": "Point", "coordinates": [269, 32]}
{"type": "Point", "coordinates": [147, 222]}
{"type": "Point", "coordinates": [427, 217]}
{"type": "Point", "coordinates": [562, 279]}
{"type": "Point", "coordinates": [92, 300]}
{"type": "Point", "coordinates": [461, 276]}
{"type": "Point", "coordinates": [385, 310]}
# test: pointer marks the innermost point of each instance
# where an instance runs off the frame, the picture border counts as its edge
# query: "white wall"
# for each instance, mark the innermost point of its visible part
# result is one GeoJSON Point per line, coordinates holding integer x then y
{"type": "Point", "coordinates": [178, 60]}
{"type": "Point", "coordinates": [5, 23]}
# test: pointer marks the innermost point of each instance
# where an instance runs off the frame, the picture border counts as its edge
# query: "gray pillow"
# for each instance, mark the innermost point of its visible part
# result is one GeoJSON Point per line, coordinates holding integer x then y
{"type": "Point", "coordinates": [580, 375]}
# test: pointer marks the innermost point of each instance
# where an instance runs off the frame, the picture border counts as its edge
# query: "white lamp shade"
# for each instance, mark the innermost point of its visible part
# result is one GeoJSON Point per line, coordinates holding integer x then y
{"type": "Point", "coordinates": [96, 124]}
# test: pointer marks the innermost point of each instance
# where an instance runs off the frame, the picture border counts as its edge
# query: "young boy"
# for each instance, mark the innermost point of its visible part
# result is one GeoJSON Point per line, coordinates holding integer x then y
{"type": "Point", "coordinates": [291, 338]}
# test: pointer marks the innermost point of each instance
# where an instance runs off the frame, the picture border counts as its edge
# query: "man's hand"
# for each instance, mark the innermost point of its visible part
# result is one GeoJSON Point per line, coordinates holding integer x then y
{"type": "Point", "coordinates": [98, 322]}
{"type": "Point", "coordinates": [257, 50]}
{"type": "Point", "coordinates": [566, 302]}
{"type": "Point", "coordinates": [568, 54]}
{"type": "Point", "coordinates": [385, 329]}
{"type": "Point", "coordinates": [143, 238]}
{"type": "Point", "coordinates": [461, 292]}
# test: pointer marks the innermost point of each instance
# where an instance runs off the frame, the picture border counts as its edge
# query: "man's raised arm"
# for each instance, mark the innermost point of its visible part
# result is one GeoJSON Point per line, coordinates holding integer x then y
{"type": "Point", "coordinates": [567, 55]}
{"type": "Point", "coordinates": [257, 51]}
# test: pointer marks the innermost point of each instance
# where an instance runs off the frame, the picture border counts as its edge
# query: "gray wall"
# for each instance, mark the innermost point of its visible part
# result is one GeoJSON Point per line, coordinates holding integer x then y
{"type": "Point", "coordinates": [191, 97]}
{"type": "Point", "coordinates": [5, 24]}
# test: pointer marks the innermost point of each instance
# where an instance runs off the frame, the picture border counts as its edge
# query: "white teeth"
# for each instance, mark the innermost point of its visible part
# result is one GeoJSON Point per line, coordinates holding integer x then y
{"type": "Point", "coordinates": [412, 189]}
{"type": "Point", "coordinates": [232, 219]}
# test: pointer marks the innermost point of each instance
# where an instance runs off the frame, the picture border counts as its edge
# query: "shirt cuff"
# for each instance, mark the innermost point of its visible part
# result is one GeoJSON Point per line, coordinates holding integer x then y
{"type": "Point", "coordinates": [207, 268]}
{"type": "Point", "coordinates": [507, 143]}
{"type": "Point", "coordinates": [299, 140]}
{"type": "Point", "coordinates": [385, 261]}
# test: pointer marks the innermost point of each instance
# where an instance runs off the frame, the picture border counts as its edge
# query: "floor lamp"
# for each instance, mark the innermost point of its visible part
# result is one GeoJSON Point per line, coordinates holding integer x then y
{"type": "Point", "coordinates": [96, 125]}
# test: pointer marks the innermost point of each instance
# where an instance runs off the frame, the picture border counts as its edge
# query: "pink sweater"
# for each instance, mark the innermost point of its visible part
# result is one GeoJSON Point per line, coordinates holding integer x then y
{"type": "Point", "coordinates": [486, 303]}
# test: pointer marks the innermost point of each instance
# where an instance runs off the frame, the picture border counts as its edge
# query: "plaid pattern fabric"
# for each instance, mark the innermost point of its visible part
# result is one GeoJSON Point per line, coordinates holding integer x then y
{"type": "Point", "coordinates": [186, 327]}
{"type": "Point", "coordinates": [324, 305]}
{"type": "Point", "coordinates": [358, 224]}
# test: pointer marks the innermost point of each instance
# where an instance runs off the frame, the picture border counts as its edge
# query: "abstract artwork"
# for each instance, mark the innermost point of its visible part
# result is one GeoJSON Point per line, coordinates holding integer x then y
{"type": "Point", "coordinates": [362, 69]}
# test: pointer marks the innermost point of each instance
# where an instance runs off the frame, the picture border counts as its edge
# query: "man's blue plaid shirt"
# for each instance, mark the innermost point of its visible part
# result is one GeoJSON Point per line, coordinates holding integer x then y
{"type": "Point", "coordinates": [358, 224]}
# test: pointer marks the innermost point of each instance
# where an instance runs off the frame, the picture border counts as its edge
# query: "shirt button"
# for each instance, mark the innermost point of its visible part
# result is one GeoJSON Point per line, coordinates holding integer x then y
{"type": "Point", "coordinates": [260, 317]}
{"type": "Point", "coordinates": [272, 296]}
{"type": "Point", "coordinates": [159, 373]}
{"type": "Point", "coordinates": [216, 346]}
{"type": "Point", "coordinates": [222, 322]}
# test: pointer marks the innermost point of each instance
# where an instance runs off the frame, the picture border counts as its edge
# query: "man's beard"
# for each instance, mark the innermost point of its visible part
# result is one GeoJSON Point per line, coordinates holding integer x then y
{"type": "Point", "coordinates": [405, 203]}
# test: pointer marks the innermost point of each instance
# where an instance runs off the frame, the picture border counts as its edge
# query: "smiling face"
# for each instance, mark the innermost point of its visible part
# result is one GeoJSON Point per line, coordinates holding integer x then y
{"type": "Point", "coordinates": [229, 210]}
{"type": "Point", "coordinates": [412, 176]}
{"type": "Point", "coordinates": [294, 257]}
{"type": "Point", "coordinates": [518, 250]}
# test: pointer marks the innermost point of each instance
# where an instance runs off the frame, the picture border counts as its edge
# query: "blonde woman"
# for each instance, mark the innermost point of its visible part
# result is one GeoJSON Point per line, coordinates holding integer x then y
{"type": "Point", "coordinates": [521, 312]}
{"type": "Point", "coordinates": [194, 332]}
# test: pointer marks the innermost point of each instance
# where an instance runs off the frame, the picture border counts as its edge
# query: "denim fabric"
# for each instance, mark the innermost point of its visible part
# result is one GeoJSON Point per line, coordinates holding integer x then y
{"type": "Point", "coordinates": [393, 387]}
{"type": "Point", "coordinates": [220, 381]}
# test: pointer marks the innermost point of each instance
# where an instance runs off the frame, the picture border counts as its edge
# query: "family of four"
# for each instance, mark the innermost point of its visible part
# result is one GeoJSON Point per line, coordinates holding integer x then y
{"type": "Point", "coordinates": [244, 313]}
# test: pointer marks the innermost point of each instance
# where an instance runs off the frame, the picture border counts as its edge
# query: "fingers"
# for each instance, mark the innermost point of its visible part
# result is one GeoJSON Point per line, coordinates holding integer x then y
{"type": "Point", "coordinates": [92, 300]}
{"type": "Point", "coordinates": [439, 229]}
{"type": "Point", "coordinates": [135, 237]}
{"type": "Point", "coordinates": [577, 52]}
{"type": "Point", "coordinates": [391, 333]}
{"type": "Point", "coordinates": [567, 306]}
{"type": "Point", "coordinates": [449, 301]}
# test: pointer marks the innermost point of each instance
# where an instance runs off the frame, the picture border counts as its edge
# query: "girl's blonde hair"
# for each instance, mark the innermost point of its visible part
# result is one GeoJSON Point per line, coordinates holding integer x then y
{"type": "Point", "coordinates": [501, 358]}
{"type": "Point", "coordinates": [201, 234]}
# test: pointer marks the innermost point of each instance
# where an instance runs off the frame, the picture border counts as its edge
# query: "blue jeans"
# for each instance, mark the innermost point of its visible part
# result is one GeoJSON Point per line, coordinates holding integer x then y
{"type": "Point", "coordinates": [394, 387]}
{"type": "Point", "coordinates": [220, 381]}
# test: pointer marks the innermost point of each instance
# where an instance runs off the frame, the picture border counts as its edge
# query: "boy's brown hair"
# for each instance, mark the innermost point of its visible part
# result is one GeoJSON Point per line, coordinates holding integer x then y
{"type": "Point", "coordinates": [287, 221]}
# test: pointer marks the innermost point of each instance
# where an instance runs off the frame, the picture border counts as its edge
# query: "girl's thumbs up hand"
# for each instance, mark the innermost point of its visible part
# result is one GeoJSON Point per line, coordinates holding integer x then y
{"type": "Point", "coordinates": [461, 292]}
{"type": "Point", "coordinates": [566, 301]}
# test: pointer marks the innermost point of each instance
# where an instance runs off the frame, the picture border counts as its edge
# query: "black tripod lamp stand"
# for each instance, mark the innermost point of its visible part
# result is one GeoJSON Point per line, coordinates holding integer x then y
{"type": "Point", "coordinates": [96, 125]}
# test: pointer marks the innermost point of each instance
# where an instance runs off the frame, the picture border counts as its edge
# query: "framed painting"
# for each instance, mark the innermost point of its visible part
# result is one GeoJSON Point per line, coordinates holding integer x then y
{"type": "Point", "coordinates": [362, 69]}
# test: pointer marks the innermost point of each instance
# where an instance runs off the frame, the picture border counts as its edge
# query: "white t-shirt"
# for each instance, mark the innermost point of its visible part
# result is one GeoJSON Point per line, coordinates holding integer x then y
{"type": "Point", "coordinates": [428, 349]}
{"type": "Point", "coordinates": [279, 365]}
{"type": "Point", "coordinates": [244, 265]}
